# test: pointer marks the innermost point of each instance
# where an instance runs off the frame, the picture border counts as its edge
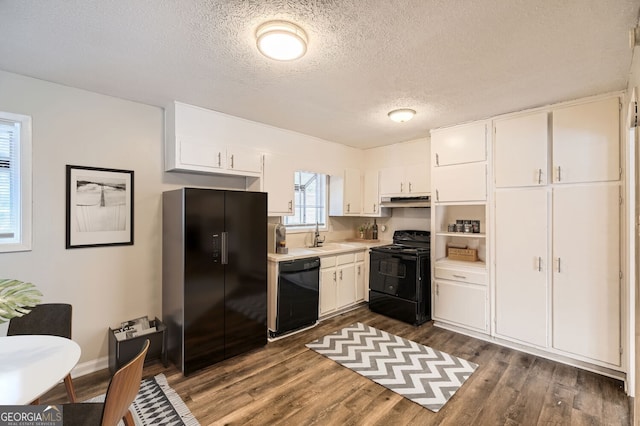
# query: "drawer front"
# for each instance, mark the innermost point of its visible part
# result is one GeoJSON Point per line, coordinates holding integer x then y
{"type": "Point", "coordinates": [343, 259]}
{"type": "Point", "coordinates": [462, 275]}
{"type": "Point", "coordinates": [327, 262]}
{"type": "Point", "coordinates": [360, 256]}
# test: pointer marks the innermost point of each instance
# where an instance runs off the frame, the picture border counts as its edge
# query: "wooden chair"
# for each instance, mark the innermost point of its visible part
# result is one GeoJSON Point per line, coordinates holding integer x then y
{"type": "Point", "coordinates": [122, 390]}
{"type": "Point", "coordinates": [52, 319]}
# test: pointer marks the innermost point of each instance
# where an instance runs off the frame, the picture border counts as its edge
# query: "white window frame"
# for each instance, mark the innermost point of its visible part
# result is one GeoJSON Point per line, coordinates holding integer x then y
{"type": "Point", "coordinates": [22, 240]}
{"type": "Point", "coordinates": [292, 229]}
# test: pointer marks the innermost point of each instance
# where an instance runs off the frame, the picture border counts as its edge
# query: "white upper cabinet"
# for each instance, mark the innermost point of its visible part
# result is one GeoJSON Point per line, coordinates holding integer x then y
{"type": "Point", "coordinates": [417, 179]}
{"type": "Point", "coordinates": [458, 163]}
{"type": "Point", "coordinates": [391, 181]}
{"type": "Point", "coordinates": [371, 195]}
{"type": "Point", "coordinates": [200, 154]}
{"type": "Point", "coordinates": [586, 142]}
{"type": "Point", "coordinates": [520, 147]}
{"type": "Point", "coordinates": [200, 140]}
{"type": "Point", "coordinates": [345, 192]}
{"type": "Point", "coordinates": [460, 182]}
{"type": "Point", "coordinates": [244, 159]}
{"type": "Point", "coordinates": [410, 180]}
{"type": "Point", "coordinates": [278, 183]}
{"type": "Point", "coordinates": [466, 143]}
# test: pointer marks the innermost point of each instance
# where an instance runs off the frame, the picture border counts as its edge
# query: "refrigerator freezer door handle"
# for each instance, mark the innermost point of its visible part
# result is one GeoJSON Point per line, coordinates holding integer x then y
{"type": "Point", "coordinates": [224, 249]}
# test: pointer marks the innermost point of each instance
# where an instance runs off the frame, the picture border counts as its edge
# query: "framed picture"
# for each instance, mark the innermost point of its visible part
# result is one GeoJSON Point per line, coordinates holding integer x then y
{"type": "Point", "coordinates": [99, 207]}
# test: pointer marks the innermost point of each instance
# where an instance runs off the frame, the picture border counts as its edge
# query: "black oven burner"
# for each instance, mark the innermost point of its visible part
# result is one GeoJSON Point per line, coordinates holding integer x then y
{"type": "Point", "coordinates": [400, 277]}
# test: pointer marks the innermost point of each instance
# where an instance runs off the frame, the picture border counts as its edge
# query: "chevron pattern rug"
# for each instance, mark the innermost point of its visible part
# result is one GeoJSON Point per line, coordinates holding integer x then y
{"type": "Point", "coordinates": [158, 404]}
{"type": "Point", "coordinates": [422, 374]}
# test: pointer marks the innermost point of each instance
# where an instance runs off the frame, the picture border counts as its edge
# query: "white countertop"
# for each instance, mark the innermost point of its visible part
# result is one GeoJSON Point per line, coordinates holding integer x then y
{"type": "Point", "coordinates": [328, 249]}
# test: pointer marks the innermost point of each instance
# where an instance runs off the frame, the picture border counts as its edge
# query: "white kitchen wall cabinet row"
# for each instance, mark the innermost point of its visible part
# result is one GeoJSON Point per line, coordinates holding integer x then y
{"type": "Point", "coordinates": [204, 141]}
{"type": "Point", "coordinates": [193, 143]}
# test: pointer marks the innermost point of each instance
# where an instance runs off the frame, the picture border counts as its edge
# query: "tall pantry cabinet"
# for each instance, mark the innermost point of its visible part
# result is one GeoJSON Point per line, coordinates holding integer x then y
{"type": "Point", "coordinates": [459, 192]}
{"type": "Point", "coordinates": [557, 230]}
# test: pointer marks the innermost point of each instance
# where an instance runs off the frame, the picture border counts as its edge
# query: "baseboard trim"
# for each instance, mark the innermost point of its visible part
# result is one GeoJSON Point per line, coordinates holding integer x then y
{"type": "Point", "coordinates": [89, 367]}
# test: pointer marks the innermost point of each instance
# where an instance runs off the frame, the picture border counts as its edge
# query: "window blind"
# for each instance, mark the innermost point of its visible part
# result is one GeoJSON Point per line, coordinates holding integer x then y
{"type": "Point", "coordinates": [9, 180]}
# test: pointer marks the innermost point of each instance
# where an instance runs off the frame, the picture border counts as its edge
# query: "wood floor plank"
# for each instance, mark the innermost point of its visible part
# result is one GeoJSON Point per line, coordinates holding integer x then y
{"type": "Point", "coordinates": [285, 383]}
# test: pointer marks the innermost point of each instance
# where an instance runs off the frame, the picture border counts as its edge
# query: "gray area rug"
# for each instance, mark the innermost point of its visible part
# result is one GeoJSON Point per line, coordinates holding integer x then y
{"type": "Point", "coordinates": [422, 374]}
{"type": "Point", "coordinates": [158, 404]}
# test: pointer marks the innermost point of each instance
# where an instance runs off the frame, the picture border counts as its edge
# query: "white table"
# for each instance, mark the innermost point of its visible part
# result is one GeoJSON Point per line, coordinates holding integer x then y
{"type": "Point", "coordinates": [31, 365]}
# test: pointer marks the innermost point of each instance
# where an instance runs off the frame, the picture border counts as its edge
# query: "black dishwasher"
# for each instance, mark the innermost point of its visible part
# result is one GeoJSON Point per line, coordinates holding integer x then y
{"type": "Point", "coordinates": [298, 290]}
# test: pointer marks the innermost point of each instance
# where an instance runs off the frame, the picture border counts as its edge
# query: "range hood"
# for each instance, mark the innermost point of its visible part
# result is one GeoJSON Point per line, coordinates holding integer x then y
{"type": "Point", "coordinates": [391, 202]}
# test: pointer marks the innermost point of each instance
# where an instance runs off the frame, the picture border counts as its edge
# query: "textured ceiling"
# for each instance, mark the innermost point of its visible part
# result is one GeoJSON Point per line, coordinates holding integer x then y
{"type": "Point", "coordinates": [450, 60]}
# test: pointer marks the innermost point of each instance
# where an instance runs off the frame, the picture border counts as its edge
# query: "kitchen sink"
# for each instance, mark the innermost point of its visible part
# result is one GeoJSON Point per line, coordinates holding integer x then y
{"type": "Point", "coordinates": [332, 247]}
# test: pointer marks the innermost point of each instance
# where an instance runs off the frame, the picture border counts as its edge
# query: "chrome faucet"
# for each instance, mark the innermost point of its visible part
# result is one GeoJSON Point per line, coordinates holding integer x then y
{"type": "Point", "coordinates": [317, 242]}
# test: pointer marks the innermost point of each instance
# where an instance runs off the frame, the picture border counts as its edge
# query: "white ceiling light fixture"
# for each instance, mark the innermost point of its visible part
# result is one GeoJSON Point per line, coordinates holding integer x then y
{"type": "Point", "coordinates": [281, 40]}
{"type": "Point", "coordinates": [401, 115]}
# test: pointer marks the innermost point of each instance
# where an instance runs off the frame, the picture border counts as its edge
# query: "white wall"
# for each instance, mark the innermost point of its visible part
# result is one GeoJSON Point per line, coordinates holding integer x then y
{"type": "Point", "coordinates": [107, 285]}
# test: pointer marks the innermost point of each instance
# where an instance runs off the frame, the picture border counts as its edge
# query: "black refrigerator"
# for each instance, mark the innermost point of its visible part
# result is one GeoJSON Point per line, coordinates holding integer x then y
{"type": "Point", "coordinates": [214, 276]}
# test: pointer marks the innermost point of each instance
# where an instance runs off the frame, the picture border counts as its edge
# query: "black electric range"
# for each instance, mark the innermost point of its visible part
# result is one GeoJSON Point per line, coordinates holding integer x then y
{"type": "Point", "coordinates": [400, 277]}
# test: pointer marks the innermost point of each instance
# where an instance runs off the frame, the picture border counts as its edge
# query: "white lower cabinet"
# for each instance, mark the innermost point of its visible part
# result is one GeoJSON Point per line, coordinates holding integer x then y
{"type": "Point", "coordinates": [341, 281]}
{"type": "Point", "coordinates": [460, 295]}
{"type": "Point", "coordinates": [461, 304]}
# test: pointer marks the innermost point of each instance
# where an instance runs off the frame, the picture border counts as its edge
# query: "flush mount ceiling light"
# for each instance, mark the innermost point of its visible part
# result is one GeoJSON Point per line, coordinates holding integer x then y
{"type": "Point", "coordinates": [281, 40]}
{"type": "Point", "coordinates": [401, 115]}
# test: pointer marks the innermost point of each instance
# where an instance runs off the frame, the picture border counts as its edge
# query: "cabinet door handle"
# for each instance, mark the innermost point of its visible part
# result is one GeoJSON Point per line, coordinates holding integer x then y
{"type": "Point", "coordinates": [341, 275]}
{"type": "Point", "coordinates": [335, 277]}
{"type": "Point", "coordinates": [539, 264]}
{"type": "Point", "coordinates": [437, 289]}
{"type": "Point", "coordinates": [290, 205]}
{"type": "Point", "coordinates": [559, 174]}
{"type": "Point", "coordinates": [409, 186]}
{"type": "Point", "coordinates": [462, 277]}
{"type": "Point", "coordinates": [374, 207]}
{"type": "Point", "coordinates": [219, 159]}
{"type": "Point", "coordinates": [559, 270]}
{"type": "Point", "coordinates": [348, 207]}
{"type": "Point", "coordinates": [539, 176]}
{"type": "Point", "coordinates": [437, 159]}
{"type": "Point", "coordinates": [401, 186]}
{"type": "Point", "coordinates": [358, 269]}
{"type": "Point", "coordinates": [437, 195]}
{"type": "Point", "coordinates": [232, 161]}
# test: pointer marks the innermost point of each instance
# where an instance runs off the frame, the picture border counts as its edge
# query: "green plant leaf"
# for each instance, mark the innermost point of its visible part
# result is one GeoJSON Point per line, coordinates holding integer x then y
{"type": "Point", "coordinates": [17, 298]}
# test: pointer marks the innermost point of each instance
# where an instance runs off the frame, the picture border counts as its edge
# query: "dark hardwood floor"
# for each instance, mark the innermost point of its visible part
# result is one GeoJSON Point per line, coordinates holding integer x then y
{"type": "Point", "coordinates": [286, 383]}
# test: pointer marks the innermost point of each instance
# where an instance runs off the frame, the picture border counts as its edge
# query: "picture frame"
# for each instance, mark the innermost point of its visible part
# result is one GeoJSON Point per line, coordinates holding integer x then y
{"type": "Point", "coordinates": [99, 207]}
